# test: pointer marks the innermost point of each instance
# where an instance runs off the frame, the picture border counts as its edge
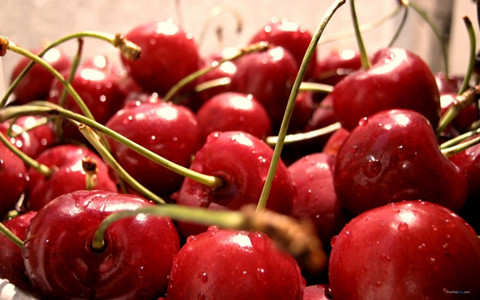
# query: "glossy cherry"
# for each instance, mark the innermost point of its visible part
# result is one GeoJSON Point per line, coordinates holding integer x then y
{"type": "Point", "coordinates": [12, 267]}
{"type": "Point", "coordinates": [397, 78]}
{"type": "Point", "coordinates": [134, 263]}
{"type": "Point", "coordinates": [168, 55]}
{"type": "Point", "coordinates": [68, 174]}
{"type": "Point", "coordinates": [290, 35]}
{"type": "Point", "coordinates": [242, 161]}
{"type": "Point", "coordinates": [406, 250]}
{"type": "Point", "coordinates": [234, 111]}
{"type": "Point", "coordinates": [168, 129]}
{"type": "Point", "coordinates": [391, 156]}
{"type": "Point", "coordinates": [37, 82]}
{"type": "Point", "coordinates": [334, 66]}
{"type": "Point", "coordinates": [316, 292]}
{"type": "Point", "coordinates": [230, 264]}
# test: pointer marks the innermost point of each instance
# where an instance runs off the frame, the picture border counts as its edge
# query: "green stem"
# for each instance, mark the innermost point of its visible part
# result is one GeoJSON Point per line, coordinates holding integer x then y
{"type": "Point", "coordinates": [471, 61]}
{"type": "Point", "coordinates": [358, 35]}
{"type": "Point", "coordinates": [303, 136]}
{"type": "Point", "coordinates": [459, 139]}
{"type": "Point", "coordinates": [47, 108]}
{"type": "Point", "coordinates": [402, 24]}
{"type": "Point", "coordinates": [94, 140]}
{"type": "Point", "coordinates": [449, 151]}
{"type": "Point", "coordinates": [10, 235]}
{"type": "Point", "coordinates": [291, 104]}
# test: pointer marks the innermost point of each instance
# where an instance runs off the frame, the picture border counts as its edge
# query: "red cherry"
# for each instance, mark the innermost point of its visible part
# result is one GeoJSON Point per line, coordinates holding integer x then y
{"type": "Point", "coordinates": [135, 263]}
{"type": "Point", "coordinates": [291, 36]}
{"type": "Point", "coordinates": [12, 267]}
{"type": "Point", "coordinates": [242, 161]}
{"type": "Point", "coordinates": [397, 79]}
{"type": "Point", "coordinates": [337, 64]}
{"type": "Point", "coordinates": [168, 55]}
{"type": "Point", "coordinates": [268, 76]}
{"type": "Point", "coordinates": [316, 199]}
{"type": "Point", "coordinates": [405, 250]}
{"type": "Point", "coordinates": [233, 111]}
{"type": "Point", "coordinates": [168, 129]}
{"type": "Point", "coordinates": [334, 143]}
{"type": "Point", "coordinates": [37, 82]}
{"type": "Point", "coordinates": [316, 292]}
{"type": "Point", "coordinates": [452, 84]}
{"type": "Point", "coordinates": [391, 156]}
{"type": "Point", "coordinates": [230, 264]}
{"type": "Point", "coordinates": [68, 176]}
{"type": "Point", "coordinates": [13, 179]}
{"type": "Point", "coordinates": [29, 137]}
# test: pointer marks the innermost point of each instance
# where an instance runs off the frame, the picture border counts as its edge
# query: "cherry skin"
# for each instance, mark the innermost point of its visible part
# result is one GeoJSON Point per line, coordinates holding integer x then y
{"type": "Point", "coordinates": [37, 82]}
{"type": "Point", "coordinates": [168, 129]}
{"type": "Point", "coordinates": [242, 161]}
{"type": "Point", "coordinates": [316, 199]}
{"type": "Point", "coordinates": [391, 156]}
{"type": "Point", "coordinates": [13, 179]}
{"type": "Point", "coordinates": [234, 111]}
{"type": "Point", "coordinates": [230, 264]}
{"type": "Point", "coordinates": [337, 64]}
{"type": "Point", "coordinates": [168, 55]}
{"type": "Point", "coordinates": [452, 84]}
{"type": "Point", "coordinates": [316, 292]}
{"type": "Point", "coordinates": [12, 267]}
{"type": "Point", "coordinates": [335, 141]}
{"type": "Point", "coordinates": [69, 175]}
{"type": "Point", "coordinates": [27, 136]}
{"type": "Point", "coordinates": [268, 76]}
{"type": "Point", "coordinates": [134, 264]}
{"type": "Point", "coordinates": [291, 36]}
{"type": "Point", "coordinates": [397, 79]}
{"type": "Point", "coordinates": [405, 250]}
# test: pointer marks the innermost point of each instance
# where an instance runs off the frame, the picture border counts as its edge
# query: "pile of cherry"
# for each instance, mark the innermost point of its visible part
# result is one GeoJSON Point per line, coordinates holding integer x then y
{"type": "Point", "coordinates": [395, 212]}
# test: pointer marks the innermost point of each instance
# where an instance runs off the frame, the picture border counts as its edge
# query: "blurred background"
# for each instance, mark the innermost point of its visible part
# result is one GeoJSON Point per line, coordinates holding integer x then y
{"type": "Point", "coordinates": [30, 22]}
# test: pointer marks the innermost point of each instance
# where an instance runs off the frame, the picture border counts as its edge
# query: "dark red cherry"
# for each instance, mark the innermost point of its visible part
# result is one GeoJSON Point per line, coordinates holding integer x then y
{"type": "Point", "coordinates": [397, 78]}
{"type": "Point", "coordinates": [406, 250]}
{"type": "Point", "coordinates": [168, 55]}
{"type": "Point", "coordinates": [134, 264]}
{"type": "Point", "coordinates": [68, 174]}
{"type": "Point", "coordinates": [391, 156]}
{"type": "Point", "coordinates": [452, 84]}
{"type": "Point", "coordinates": [335, 141]}
{"type": "Point", "coordinates": [37, 82]}
{"type": "Point", "coordinates": [231, 264]}
{"type": "Point", "coordinates": [334, 66]}
{"type": "Point", "coordinates": [291, 36]}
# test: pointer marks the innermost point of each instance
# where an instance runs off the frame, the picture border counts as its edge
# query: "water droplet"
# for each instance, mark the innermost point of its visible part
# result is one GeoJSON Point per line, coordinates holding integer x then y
{"type": "Point", "coordinates": [363, 121]}
{"type": "Point", "coordinates": [396, 210]}
{"type": "Point", "coordinates": [385, 258]}
{"type": "Point", "coordinates": [403, 226]}
{"type": "Point", "coordinates": [261, 274]}
{"type": "Point", "coordinates": [434, 227]}
{"type": "Point", "coordinates": [421, 246]}
{"type": "Point", "coordinates": [378, 283]}
{"type": "Point", "coordinates": [333, 240]}
{"type": "Point", "coordinates": [201, 296]}
{"type": "Point", "coordinates": [153, 137]}
{"type": "Point", "coordinates": [432, 260]}
{"type": "Point", "coordinates": [203, 277]}
{"type": "Point", "coordinates": [372, 168]}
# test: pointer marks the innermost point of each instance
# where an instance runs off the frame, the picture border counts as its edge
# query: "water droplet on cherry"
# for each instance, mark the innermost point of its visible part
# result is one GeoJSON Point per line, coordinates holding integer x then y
{"type": "Point", "coordinates": [203, 277]}
{"type": "Point", "coordinates": [403, 226]}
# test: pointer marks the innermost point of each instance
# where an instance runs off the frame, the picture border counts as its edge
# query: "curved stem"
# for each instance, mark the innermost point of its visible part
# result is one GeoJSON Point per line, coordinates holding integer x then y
{"type": "Point", "coordinates": [316, 87]}
{"type": "Point", "coordinates": [402, 24]}
{"type": "Point", "coordinates": [291, 103]}
{"type": "Point", "coordinates": [449, 151]}
{"type": "Point", "coordinates": [471, 61]}
{"type": "Point", "coordinates": [459, 139]}
{"type": "Point", "coordinates": [303, 136]}
{"type": "Point", "coordinates": [47, 108]}
{"type": "Point", "coordinates": [358, 35]}
{"type": "Point", "coordinates": [10, 235]}
{"type": "Point", "coordinates": [215, 12]}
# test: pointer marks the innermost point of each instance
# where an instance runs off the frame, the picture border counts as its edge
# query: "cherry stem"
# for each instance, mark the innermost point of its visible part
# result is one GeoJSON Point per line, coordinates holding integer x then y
{"type": "Point", "coordinates": [316, 87]}
{"type": "Point", "coordinates": [358, 35]}
{"type": "Point", "coordinates": [449, 151]}
{"type": "Point", "coordinates": [459, 139]}
{"type": "Point", "coordinates": [441, 39]}
{"type": "Point", "coordinates": [472, 56]}
{"type": "Point", "coordinates": [402, 23]}
{"type": "Point", "coordinates": [215, 12]}
{"type": "Point", "coordinates": [467, 98]}
{"type": "Point", "coordinates": [304, 136]}
{"type": "Point", "coordinates": [29, 161]}
{"type": "Point", "coordinates": [296, 237]}
{"type": "Point", "coordinates": [262, 203]}
{"type": "Point", "coordinates": [48, 108]}
{"type": "Point", "coordinates": [127, 48]}
{"type": "Point", "coordinates": [10, 235]}
{"type": "Point", "coordinates": [94, 140]}
{"type": "Point", "coordinates": [90, 167]}
{"type": "Point", "coordinates": [257, 47]}
{"type": "Point", "coordinates": [364, 27]}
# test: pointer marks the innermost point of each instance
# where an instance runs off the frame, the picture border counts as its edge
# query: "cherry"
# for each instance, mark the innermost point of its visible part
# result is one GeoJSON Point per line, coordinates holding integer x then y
{"type": "Point", "coordinates": [242, 161]}
{"type": "Point", "coordinates": [234, 111]}
{"type": "Point", "coordinates": [12, 267]}
{"type": "Point", "coordinates": [68, 175]}
{"type": "Point", "coordinates": [316, 292]}
{"type": "Point", "coordinates": [268, 76]}
{"type": "Point", "coordinates": [289, 35]}
{"type": "Point", "coordinates": [337, 64]}
{"type": "Point", "coordinates": [168, 55]}
{"type": "Point", "coordinates": [465, 117]}
{"type": "Point", "coordinates": [13, 179]}
{"type": "Point", "coordinates": [450, 84]}
{"type": "Point", "coordinates": [232, 264]}
{"type": "Point", "coordinates": [316, 199]}
{"type": "Point", "coordinates": [31, 134]}
{"type": "Point", "coordinates": [134, 263]}
{"type": "Point", "coordinates": [168, 129]}
{"type": "Point", "coordinates": [397, 78]}
{"type": "Point", "coordinates": [391, 156]}
{"type": "Point", "coordinates": [37, 82]}
{"type": "Point", "coordinates": [405, 250]}
{"type": "Point", "coordinates": [334, 143]}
